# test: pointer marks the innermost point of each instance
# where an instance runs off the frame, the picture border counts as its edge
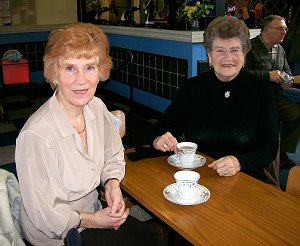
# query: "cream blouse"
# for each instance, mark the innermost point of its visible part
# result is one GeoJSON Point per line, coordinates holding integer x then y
{"type": "Point", "coordinates": [56, 174]}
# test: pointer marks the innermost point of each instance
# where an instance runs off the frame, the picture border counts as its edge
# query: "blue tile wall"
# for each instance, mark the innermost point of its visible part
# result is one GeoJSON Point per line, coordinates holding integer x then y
{"type": "Point", "coordinates": [156, 74]}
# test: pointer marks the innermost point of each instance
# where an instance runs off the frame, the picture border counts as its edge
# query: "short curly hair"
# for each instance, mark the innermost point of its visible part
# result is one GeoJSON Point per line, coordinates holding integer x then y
{"type": "Point", "coordinates": [226, 28]}
{"type": "Point", "coordinates": [78, 40]}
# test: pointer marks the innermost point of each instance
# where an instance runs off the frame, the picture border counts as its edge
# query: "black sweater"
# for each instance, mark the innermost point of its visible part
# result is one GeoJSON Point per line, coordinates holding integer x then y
{"type": "Point", "coordinates": [244, 125]}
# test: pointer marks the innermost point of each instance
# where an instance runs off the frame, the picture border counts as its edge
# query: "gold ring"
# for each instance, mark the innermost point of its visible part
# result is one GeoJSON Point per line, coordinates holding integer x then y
{"type": "Point", "coordinates": [165, 146]}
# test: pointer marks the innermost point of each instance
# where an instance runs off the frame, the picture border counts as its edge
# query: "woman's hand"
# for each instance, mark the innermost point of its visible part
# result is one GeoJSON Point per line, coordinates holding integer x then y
{"type": "Point", "coordinates": [115, 201]}
{"type": "Point", "coordinates": [103, 220]}
{"type": "Point", "coordinates": [112, 216]}
{"type": "Point", "coordinates": [226, 166]}
{"type": "Point", "coordinates": [114, 198]}
{"type": "Point", "coordinates": [165, 143]}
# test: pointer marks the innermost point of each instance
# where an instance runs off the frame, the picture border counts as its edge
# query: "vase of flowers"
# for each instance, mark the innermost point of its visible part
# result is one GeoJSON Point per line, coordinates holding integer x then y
{"type": "Point", "coordinates": [192, 11]}
{"type": "Point", "coordinates": [194, 24]}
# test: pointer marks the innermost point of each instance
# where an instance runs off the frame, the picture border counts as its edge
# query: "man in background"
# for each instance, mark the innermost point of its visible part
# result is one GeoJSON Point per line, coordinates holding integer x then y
{"type": "Point", "coordinates": [244, 13]}
{"type": "Point", "coordinates": [267, 60]}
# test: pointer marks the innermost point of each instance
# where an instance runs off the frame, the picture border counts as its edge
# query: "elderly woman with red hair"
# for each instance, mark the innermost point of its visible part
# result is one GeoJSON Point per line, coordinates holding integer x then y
{"type": "Point", "coordinates": [70, 146]}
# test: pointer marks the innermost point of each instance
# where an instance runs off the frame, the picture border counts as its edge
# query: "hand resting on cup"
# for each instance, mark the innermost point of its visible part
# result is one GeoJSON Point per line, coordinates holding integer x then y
{"type": "Point", "coordinates": [165, 142]}
{"type": "Point", "coordinates": [226, 166]}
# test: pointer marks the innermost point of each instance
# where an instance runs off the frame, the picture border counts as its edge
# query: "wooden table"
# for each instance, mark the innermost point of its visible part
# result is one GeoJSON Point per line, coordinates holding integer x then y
{"type": "Point", "coordinates": [240, 211]}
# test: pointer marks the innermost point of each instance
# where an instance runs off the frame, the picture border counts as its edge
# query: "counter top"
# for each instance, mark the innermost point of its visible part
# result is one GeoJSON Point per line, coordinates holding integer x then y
{"type": "Point", "coordinates": [26, 29]}
{"type": "Point", "coordinates": [156, 33]}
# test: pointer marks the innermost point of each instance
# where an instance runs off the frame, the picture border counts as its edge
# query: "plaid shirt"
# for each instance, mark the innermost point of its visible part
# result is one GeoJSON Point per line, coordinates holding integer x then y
{"type": "Point", "coordinates": [259, 60]}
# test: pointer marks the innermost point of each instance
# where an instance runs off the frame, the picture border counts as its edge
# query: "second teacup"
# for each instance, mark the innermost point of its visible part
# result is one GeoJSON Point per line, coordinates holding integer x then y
{"type": "Point", "coordinates": [186, 182]}
{"type": "Point", "coordinates": [186, 152]}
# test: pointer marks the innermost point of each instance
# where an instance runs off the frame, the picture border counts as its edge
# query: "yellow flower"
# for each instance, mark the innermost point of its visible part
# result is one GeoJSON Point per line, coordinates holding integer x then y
{"type": "Point", "coordinates": [192, 9]}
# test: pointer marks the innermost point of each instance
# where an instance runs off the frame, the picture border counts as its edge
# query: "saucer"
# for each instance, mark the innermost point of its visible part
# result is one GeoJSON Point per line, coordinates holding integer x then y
{"type": "Point", "coordinates": [199, 161]}
{"type": "Point", "coordinates": [202, 195]}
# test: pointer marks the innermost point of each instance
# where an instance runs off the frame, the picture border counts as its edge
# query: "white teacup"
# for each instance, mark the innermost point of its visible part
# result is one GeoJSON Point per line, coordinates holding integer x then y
{"type": "Point", "coordinates": [186, 182]}
{"type": "Point", "coordinates": [186, 152]}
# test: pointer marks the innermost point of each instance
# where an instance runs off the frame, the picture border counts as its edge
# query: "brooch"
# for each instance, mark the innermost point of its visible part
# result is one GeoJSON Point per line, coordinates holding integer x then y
{"type": "Point", "coordinates": [227, 94]}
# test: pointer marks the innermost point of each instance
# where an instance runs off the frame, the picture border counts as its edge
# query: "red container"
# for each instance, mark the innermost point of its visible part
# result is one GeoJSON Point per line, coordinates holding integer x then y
{"type": "Point", "coordinates": [15, 72]}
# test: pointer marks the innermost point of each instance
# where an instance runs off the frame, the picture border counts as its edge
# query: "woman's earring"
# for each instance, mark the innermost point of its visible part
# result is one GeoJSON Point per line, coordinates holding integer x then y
{"type": "Point", "coordinates": [54, 85]}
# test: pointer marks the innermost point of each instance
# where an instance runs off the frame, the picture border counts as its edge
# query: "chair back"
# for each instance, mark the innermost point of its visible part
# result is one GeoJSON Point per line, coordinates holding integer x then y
{"type": "Point", "coordinates": [10, 200]}
{"type": "Point", "coordinates": [15, 72]}
{"type": "Point", "coordinates": [293, 182]}
{"type": "Point", "coordinates": [118, 118]}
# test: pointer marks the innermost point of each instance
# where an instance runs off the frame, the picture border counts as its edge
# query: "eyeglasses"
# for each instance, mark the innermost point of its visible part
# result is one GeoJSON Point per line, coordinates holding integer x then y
{"type": "Point", "coordinates": [223, 51]}
{"type": "Point", "coordinates": [280, 29]}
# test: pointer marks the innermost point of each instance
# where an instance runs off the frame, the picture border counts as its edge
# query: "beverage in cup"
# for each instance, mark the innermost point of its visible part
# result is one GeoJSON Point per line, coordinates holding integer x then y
{"type": "Point", "coordinates": [186, 152]}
